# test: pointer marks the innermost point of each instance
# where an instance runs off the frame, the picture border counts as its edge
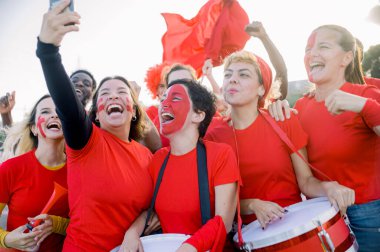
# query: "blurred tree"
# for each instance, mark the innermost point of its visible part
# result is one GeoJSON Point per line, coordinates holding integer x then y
{"type": "Point", "coordinates": [371, 61]}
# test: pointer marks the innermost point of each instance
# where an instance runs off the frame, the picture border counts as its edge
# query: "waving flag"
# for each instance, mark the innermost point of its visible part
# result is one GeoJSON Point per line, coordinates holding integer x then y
{"type": "Point", "coordinates": [215, 32]}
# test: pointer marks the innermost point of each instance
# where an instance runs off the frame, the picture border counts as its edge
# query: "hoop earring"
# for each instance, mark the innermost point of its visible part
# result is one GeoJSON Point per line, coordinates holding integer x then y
{"type": "Point", "coordinates": [134, 118]}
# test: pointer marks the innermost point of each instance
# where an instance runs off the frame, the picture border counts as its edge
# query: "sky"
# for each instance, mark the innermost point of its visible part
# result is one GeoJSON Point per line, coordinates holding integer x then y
{"type": "Point", "coordinates": [123, 37]}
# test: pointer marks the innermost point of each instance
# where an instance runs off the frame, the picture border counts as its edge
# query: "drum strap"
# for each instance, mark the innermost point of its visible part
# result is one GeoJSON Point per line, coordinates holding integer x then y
{"type": "Point", "coordinates": [204, 193]}
{"type": "Point", "coordinates": [289, 143]}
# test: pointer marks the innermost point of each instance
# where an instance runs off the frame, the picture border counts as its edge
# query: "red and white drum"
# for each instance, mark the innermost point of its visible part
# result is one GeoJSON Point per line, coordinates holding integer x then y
{"type": "Point", "coordinates": [309, 226]}
{"type": "Point", "coordinates": [161, 242]}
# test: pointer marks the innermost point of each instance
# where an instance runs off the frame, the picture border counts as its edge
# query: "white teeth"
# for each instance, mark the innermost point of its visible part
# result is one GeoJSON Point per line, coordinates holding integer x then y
{"type": "Point", "coordinates": [167, 116]}
{"type": "Point", "coordinates": [114, 108]}
{"type": "Point", "coordinates": [53, 125]}
{"type": "Point", "coordinates": [315, 64]}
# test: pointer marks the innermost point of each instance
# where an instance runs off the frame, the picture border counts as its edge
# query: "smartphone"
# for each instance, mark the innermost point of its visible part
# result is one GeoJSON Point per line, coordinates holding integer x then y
{"type": "Point", "coordinates": [70, 7]}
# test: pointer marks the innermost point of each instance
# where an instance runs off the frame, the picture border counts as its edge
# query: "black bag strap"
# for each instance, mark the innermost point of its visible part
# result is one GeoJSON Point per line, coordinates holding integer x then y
{"type": "Point", "coordinates": [204, 193]}
{"type": "Point", "coordinates": [203, 185]}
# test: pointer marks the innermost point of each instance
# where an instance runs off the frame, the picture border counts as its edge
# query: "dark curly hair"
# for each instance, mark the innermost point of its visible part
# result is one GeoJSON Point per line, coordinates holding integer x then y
{"type": "Point", "coordinates": [202, 99]}
{"type": "Point", "coordinates": [137, 126]}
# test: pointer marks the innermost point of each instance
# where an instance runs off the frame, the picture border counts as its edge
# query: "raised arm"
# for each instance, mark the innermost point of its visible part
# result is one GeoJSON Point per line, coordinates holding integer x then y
{"type": "Point", "coordinates": [256, 29]}
{"type": "Point", "coordinates": [7, 102]}
{"type": "Point", "coordinates": [76, 124]}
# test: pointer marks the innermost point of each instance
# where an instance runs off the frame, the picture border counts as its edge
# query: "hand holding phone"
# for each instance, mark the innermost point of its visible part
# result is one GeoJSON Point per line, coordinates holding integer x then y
{"type": "Point", "coordinates": [54, 3]}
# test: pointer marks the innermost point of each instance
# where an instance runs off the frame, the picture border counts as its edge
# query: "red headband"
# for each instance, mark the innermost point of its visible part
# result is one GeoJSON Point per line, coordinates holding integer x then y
{"type": "Point", "coordinates": [266, 74]}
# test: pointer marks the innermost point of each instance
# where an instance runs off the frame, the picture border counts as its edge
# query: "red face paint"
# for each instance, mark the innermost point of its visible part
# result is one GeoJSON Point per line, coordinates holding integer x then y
{"type": "Point", "coordinates": [100, 104]}
{"type": "Point", "coordinates": [309, 46]}
{"type": "Point", "coordinates": [177, 103]}
{"type": "Point", "coordinates": [128, 104]}
{"type": "Point", "coordinates": [39, 126]}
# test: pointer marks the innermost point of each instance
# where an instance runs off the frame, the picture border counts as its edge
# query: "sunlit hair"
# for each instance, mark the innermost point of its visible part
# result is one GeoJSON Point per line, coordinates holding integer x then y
{"type": "Point", "coordinates": [244, 57]}
{"type": "Point", "coordinates": [177, 67]}
{"type": "Point", "coordinates": [137, 126]}
{"type": "Point", "coordinates": [88, 73]}
{"type": "Point", "coordinates": [202, 100]}
{"type": "Point", "coordinates": [156, 76]}
{"type": "Point", "coordinates": [20, 138]}
{"type": "Point", "coordinates": [347, 42]}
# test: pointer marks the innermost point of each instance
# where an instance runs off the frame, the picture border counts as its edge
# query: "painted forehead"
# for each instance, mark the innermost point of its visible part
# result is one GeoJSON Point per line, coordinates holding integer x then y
{"type": "Point", "coordinates": [322, 35]}
{"type": "Point", "coordinates": [177, 89]}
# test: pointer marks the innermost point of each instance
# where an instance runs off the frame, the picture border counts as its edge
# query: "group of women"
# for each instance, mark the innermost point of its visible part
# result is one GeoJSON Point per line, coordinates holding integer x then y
{"type": "Point", "coordinates": [112, 178]}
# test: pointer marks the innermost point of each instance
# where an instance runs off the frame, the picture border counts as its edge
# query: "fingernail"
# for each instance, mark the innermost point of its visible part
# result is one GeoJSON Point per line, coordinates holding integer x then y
{"type": "Point", "coordinates": [262, 228]}
{"type": "Point", "coordinates": [286, 210]}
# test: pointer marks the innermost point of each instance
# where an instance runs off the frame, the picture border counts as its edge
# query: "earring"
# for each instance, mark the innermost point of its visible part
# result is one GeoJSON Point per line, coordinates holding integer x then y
{"type": "Point", "coordinates": [134, 118]}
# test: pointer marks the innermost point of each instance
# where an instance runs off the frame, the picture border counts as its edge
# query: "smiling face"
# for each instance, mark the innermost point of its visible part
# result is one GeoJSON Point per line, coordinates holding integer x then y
{"type": "Point", "coordinates": [174, 109]}
{"type": "Point", "coordinates": [325, 60]}
{"type": "Point", "coordinates": [114, 104]}
{"type": "Point", "coordinates": [83, 86]}
{"type": "Point", "coordinates": [241, 84]}
{"type": "Point", "coordinates": [47, 124]}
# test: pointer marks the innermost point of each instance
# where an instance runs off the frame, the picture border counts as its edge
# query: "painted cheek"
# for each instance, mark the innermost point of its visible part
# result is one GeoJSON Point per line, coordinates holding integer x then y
{"type": "Point", "coordinates": [100, 104]}
{"type": "Point", "coordinates": [128, 104]}
{"type": "Point", "coordinates": [180, 111]}
{"type": "Point", "coordinates": [311, 40]}
{"type": "Point", "coordinates": [39, 126]}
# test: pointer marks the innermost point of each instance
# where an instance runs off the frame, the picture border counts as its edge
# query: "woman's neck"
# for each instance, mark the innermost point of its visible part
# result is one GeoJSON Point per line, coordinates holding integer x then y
{"type": "Point", "coordinates": [183, 142]}
{"type": "Point", "coordinates": [242, 117]}
{"type": "Point", "coordinates": [322, 91]}
{"type": "Point", "coordinates": [51, 152]}
{"type": "Point", "coordinates": [121, 132]}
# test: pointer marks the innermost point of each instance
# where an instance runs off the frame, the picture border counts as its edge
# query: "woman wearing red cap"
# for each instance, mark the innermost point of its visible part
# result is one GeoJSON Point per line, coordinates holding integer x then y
{"type": "Point", "coordinates": [273, 176]}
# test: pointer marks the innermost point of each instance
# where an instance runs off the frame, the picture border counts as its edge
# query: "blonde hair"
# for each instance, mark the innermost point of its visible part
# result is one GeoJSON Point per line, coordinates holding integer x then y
{"type": "Point", "coordinates": [244, 57]}
{"type": "Point", "coordinates": [18, 140]}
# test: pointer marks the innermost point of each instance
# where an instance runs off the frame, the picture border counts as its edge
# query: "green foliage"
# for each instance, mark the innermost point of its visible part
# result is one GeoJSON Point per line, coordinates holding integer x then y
{"type": "Point", "coordinates": [371, 61]}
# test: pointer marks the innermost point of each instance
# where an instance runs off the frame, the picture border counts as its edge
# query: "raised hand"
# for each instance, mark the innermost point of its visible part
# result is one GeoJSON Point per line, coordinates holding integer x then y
{"type": "Point", "coordinates": [55, 24]}
{"type": "Point", "coordinates": [7, 102]}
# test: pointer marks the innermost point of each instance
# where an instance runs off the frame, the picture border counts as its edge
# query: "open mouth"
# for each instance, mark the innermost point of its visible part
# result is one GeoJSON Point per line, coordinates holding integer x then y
{"type": "Point", "coordinates": [166, 117]}
{"type": "Point", "coordinates": [316, 66]}
{"type": "Point", "coordinates": [54, 125]}
{"type": "Point", "coordinates": [78, 91]}
{"type": "Point", "coordinates": [114, 108]}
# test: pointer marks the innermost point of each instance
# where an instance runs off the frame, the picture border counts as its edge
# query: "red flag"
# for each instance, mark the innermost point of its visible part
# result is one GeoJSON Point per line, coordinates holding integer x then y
{"type": "Point", "coordinates": [215, 32]}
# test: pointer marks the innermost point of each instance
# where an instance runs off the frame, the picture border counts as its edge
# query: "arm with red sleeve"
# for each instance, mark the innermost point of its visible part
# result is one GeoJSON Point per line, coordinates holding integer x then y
{"type": "Point", "coordinates": [371, 114]}
{"type": "Point", "coordinates": [366, 105]}
{"type": "Point", "coordinates": [212, 235]}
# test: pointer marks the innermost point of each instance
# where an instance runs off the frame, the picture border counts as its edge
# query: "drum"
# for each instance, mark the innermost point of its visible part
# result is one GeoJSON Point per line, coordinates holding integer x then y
{"type": "Point", "coordinates": [309, 226]}
{"type": "Point", "coordinates": [161, 242]}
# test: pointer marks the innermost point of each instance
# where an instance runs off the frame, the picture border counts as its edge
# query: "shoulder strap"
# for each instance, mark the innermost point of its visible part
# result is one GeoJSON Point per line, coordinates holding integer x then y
{"type": "Point", "coordinates": [289, 143]}
{"type": "Point", "coordinates": [204, 193]}
{"type": "Point", "coordinates": [153, 201]}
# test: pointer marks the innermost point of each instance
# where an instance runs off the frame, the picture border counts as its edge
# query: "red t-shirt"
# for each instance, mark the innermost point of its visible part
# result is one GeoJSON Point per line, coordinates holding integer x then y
{"type": "Point", "coordinates": [109, 186]}
{"type": "Point", "coordinates": [264, 160]}
{"type": "Point", "coordinates": [372, 81]}
{"type": "Point", "coordinates": [26, 187]}
{"type": "Point", "coordinates": [343, 146]}
{"type": "Point", "coordinates": [177, 204]}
